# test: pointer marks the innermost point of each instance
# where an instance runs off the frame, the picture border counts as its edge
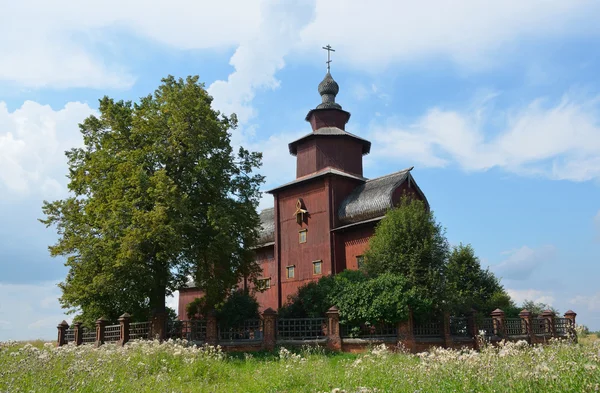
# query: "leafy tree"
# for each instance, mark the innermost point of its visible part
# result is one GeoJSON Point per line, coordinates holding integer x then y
{"type": "Point", "coordinates": [468, 285]}
{"type": "Point", "coordinates": [537, 308]}
{"type": "Point", "coordinates": [238, 307]}
{"type": "Point", "coordinates": [410, 243]}
{"type": "Point", "coordinates": [157, 194]}
{"type": "Point", "coordinates": [385, 298]}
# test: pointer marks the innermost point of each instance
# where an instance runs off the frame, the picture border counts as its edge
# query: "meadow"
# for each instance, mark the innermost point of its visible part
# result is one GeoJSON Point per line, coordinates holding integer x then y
{"type": "Point", "coordinates": [176, 367]}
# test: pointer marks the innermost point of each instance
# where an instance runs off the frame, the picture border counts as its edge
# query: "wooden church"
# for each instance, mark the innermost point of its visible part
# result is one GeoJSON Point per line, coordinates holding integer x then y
{"type": "Point", "coordinates": [321, 221]}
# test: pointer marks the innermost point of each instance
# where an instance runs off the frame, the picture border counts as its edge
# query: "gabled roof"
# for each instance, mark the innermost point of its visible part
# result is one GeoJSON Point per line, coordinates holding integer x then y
{"type": "Point", "coordinates": [266, 232]}
{"type": "Point", "coordinates": [326, 171]}
{"type": "Point", "coordinates": [373, 198]}
{"type": "Point", "coordinates": [330, 131]}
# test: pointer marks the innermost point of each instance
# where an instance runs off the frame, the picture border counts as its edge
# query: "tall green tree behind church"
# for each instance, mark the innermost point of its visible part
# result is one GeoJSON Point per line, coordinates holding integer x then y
{"type": "Point", "coordinates": [156, 194]}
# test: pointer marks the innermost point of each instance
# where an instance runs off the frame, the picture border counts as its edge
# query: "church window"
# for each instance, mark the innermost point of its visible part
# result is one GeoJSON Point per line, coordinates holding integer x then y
{"type": "Point", "coordinates": [360, 261]}
{"type": "Point", "coordinates": [317, 266]}
{"type": "Point", "coordinates": [300, 211]}
{"type": "Point", "coordinates": [302, 235]}
{"type": "Point", "coordinates": [264, 283]}
{"type": "Point", "coordinates": [290, 271]}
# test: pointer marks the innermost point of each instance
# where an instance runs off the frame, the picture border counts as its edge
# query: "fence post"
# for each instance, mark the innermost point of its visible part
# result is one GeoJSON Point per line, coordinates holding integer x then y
{"type": "Point", "coordinates": [269, 328]}
{"type": "Point", "coordinates": [78, 330]}
{"type": "Point", "coordinates": [100, 325]}
{"type": "Point", "coordinates": [472, 327]}
{"type": "Point", "coordinates": [446, 327]}
{"type": "Point", "coordinates": [498, 318]}
{"type": "Point", "coordinates": [570, 315]}
{"type": "Point", "coordinates": [158, 325]}
{"type": "Point", "coordinates": [124, 321]}
{"type": "Point", "coordinates": [334, 340]}
{"type": "Point", "coordinates": [62, 331]}
{"type": "Point", "coordinates": [212, 328]}
{"type": "Point", "coordinates": [406, 334]}
{"type": "Point", "coordinates": [548, 315]}
{"type": "Point", "coordinates": [527, 320]}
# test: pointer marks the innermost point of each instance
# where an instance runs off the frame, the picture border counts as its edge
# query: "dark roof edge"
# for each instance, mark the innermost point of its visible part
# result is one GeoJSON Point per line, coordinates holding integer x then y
{"type": "Point", "coordinates": [310, 112]}
{"type": "Point", "coordinates": [267, 244]}
{"type": "Point", "coordinates": [328, 171]}
{"type": "Point", "coordinates": [358, 223]}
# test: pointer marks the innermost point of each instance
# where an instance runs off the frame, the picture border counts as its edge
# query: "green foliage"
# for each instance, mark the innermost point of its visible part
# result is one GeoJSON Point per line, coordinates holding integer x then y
{"type": "Point", "coordinates": [157, 194]}
{"type": "Point", "coordinates": [197, 308]}
{"type": "Point", "coordinates": [384, 298]}
{"type": "Point", "coordinates": [238, 307]}
{"type": "Point", "coordinates": [410, 243]}
{"type": "Point", "coordinates": [469, 286]}
{"type": "Point", "coordinates": [311, 301]}
{"type": "Point", "coordinates": [537, 308]}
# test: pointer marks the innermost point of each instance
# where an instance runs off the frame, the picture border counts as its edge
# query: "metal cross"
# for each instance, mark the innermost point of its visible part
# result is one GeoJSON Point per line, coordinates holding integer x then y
{"type": "Point", "coordinates": [329, 50]}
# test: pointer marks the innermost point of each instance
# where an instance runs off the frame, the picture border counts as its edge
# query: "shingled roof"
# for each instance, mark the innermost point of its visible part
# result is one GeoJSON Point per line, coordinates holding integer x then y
{"type": "Point", "coordinates": [266, 232]}
{"type": "Point", "coordinates": [330, 131]}
{"type": "Point", "coordinates": [373, 198]}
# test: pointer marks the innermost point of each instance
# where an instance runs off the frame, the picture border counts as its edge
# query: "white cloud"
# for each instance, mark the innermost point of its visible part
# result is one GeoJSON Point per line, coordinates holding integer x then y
{"type": "Point", "coordinates": [560, 142]}
{"type": "Point", "coordinates": [537, 296]}
{"type": "Point", "coordinates": [592, 303]}
{"type": "Point", "coordinates": [259, 56]}
{"type": "Point", "coordinates": [522, 262]}
{"type": "Point", "coordinates": [33, 140]}
{"type": "Point", "coordinates": [30, 311]}
{"type": "Point", "coordinates": [56, 44]}
{"type": "Point", "coordinates": [375, 34]}
{"type": "Point", "coordinates": [173, 301]}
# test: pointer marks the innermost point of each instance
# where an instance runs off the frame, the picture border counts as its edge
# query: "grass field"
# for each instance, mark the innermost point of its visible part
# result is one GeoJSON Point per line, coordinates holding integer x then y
{"type": "Point", "coordinates": [173, 367]}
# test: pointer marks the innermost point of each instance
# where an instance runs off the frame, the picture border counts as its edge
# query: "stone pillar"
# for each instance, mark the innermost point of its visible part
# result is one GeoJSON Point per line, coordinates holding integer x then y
{"type": "Point", "coordinates": [472, 327]}
{"type": "Point", "coordinates": [78, 330]}
{"type": "Point", "coordinates": [158, 326]}
{"type": "Point", "coordinates": [124, 321]}
{"type": "Point", "coordinates": [212, 328]}
{"type": "Point", "coordinates": [406, 333]}
{"type": "Point", "coordinates": [62, 331]}
{"type": "Point", "coordinates": [527, 322]}
{"type": "Point", "coordinates": [100, 326]}
{"type": "Point", "coordinates": [446, 329]}
{"type": "Point", "coordinates": [269, 329]}
{"type": "Point", "coordinates": [498, 318]}
{"type": "Point", "coordinates": [334, 340]}
{"type": "Point", "coordinates": [548, 315]}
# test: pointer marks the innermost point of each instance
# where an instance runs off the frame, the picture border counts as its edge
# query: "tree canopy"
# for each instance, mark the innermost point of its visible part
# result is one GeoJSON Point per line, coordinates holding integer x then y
{"type": "Point", "coordinates": [409, 242]}
{"type": "Point", "coordinates": [156, 195]}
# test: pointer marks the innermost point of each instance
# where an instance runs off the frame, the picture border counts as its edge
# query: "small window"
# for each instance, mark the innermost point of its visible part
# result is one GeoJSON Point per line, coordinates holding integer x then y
{"type": "Point", "coordinates": [302, 234]}
{"type": "Point", "coordinates": [360, 261]}
{"type": "Point", "coordinates": [290, 271]}
{"type": "Point", "coordinates": [317, 266]}
{"type": "Point", "coordinates": [264, 283]}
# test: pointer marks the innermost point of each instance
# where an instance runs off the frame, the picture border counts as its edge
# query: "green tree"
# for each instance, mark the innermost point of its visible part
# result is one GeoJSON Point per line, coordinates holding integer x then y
{"type": "Point", "coordinates": [468, 285]}
{"type": "Point", "coordinates": [537, 308]}
{"type": "Point", "coordinates": [157, 194]}
{"type": "Point", "coordinates": [410, 243]}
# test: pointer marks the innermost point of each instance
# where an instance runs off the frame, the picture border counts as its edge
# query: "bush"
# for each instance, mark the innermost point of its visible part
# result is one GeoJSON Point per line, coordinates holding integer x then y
{"type": "Point", "coordinates": [238, 307]}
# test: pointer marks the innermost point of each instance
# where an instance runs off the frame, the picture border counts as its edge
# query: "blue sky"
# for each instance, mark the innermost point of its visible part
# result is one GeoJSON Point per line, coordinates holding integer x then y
{"type": "Point", "coordinates": [495, 103]}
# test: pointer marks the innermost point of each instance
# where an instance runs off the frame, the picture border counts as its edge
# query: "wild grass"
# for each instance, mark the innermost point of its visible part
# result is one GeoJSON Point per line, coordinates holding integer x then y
{"type": "Point", "coordinates": [175, 367]}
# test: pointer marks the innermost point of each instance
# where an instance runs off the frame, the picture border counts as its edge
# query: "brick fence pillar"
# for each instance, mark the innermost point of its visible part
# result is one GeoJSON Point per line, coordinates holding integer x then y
{"type": "Point", "coordinates": [473, 328]}
{"type": "Point", "coordinates": [548, 315]}
{"type": "Point", "coordinates": [406, 334]}
{"type": "Point", "coordinates": [158, 326]}
{"type": "Point", "coordinates": [498, 319]}
{"type": "Point", "coordinates": [124, 321]}
{"type": "Point", "coordinates": [212, 328]}
{"type": "Point", "coordinates": [269, 329]}
{"type": "Point", "coordinates": [334, 340]}
{"type": "Point", "coordinates": [527, 322]}
{"type": "Point", "coordinates": [62, 332]}
{"type": "Point", "coordinates": [570, 315]}
{"type": "Point", "coordinates": [100, 327]}
{"type": "Point", "coordinates": [446, 329]}
{"type": "Point", "coordinates": [78, 330]}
